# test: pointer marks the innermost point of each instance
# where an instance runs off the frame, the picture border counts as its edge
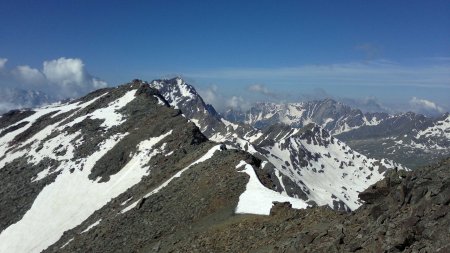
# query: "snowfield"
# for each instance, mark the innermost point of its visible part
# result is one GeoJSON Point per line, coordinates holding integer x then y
{"type": "Point", "coordinates": [257, 199]}
{"type": "Point", "coordinates": [72, 198]}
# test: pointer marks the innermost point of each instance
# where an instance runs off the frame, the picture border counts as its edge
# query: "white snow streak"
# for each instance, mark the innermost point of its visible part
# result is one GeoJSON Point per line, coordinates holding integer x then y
{"type": "Point", "coordinates": [205, 157]}
{"type": "Point", "coordinates": [67, 243]}
{"type": "Point", "coordinates": [91, 226]}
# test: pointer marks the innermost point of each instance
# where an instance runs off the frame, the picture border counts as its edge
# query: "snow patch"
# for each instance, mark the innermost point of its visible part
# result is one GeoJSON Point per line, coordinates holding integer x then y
{"type": "Point", "coordinates": [110, 114]}
{"type": "Point", "coordinates": [257, 199]}
{"type": "Point", "coordinates": [228, 123]}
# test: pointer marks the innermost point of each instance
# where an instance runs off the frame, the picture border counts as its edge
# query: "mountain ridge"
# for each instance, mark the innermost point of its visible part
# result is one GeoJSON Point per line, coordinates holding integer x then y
{"type": "Point", "coordinates": [125, 166]}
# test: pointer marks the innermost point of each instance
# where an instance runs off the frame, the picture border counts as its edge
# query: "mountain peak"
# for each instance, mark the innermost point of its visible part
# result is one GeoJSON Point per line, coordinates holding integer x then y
{"type": "Point", "coordinates": [175, 90]}
{"type": "Point", "coordinates": [179, 80]}
{"type": "Point", "coordinates": [329, 101]}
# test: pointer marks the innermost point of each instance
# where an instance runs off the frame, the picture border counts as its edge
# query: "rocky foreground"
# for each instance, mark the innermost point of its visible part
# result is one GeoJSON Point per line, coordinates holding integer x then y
{"type": "Point", "coordinates": [405, 212]}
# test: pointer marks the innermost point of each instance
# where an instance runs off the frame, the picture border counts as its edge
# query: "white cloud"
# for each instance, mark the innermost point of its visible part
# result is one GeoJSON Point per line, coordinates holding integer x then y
{"type": "Point", "coordinates": [261, 89]}
{"type": "Point", "coordinates": [258, 88]}
{"type": "Point", "coordinates": [70, 75]}
{"type": "Point", "coordinates": [212, 95]}
{"type": "Point", "coordinates": [28, 74]}
{"type": "Point", "coordinates": [209, 94]}
{"type": "Point", "coordinates": [234, 102]}
{"type": "Point", "coordinates": [64, 71]}
{"type": "Point", "coordinates": [3, 62]}
{"type": "Point", "coordinates": [425, 106]}
{"type": "Point", "coordinates": [58, 79]}
{"type": "Point", "coordinates": [5, 106]}
{"type": "Point", "coordinates": [238, 103]}
{"type": "Point", "coordinates": [96, 83]}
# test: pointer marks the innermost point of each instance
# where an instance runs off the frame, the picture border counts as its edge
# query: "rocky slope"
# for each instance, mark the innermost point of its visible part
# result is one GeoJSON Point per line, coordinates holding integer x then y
{"type": "Point", "coordinates": [405, 212]}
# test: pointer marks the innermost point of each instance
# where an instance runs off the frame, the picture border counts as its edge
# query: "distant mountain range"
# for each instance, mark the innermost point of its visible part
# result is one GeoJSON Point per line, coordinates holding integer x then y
{"type": "Point", "coordinates": [13, 98]}
{"type": "Point", "coordinates": [408, 138]}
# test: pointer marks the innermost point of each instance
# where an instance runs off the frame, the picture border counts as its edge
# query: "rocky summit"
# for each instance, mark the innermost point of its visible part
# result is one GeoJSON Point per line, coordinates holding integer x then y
{"type": "Point", "coordinates": [150, 167]}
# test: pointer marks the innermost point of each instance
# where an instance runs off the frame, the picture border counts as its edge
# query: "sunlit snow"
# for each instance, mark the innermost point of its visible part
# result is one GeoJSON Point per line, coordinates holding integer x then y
{"type": "Point", "coordinates": [257, 199]}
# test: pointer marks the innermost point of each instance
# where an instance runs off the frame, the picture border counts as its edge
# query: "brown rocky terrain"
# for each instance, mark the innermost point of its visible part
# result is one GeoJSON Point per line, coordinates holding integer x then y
{"type": "Point", "coordinates": [405, 212]}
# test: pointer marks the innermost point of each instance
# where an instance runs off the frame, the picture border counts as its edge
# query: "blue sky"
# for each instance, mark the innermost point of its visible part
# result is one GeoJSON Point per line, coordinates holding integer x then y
{"type": "Point", "coordinates": [389, 51]}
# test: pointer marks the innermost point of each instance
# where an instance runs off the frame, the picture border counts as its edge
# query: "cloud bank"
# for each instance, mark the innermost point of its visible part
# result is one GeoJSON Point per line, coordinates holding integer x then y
{"type": "Point", "coordinates": [357, 80]}
{"type": "Point", "coordinates": [261, 89]}
{"type": "Point", "coordinates": [71, 76]}
{"type": "Point", "coordinates": [62, 78]}
{"type": "Point", "coordinates": [57, 79]}
{"type": "Point", "coordinates": [425, 106]}
{"type": "Point", "coordinates": [28, 75]}
{"type": "Point", "coordinates": [212, 95]}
